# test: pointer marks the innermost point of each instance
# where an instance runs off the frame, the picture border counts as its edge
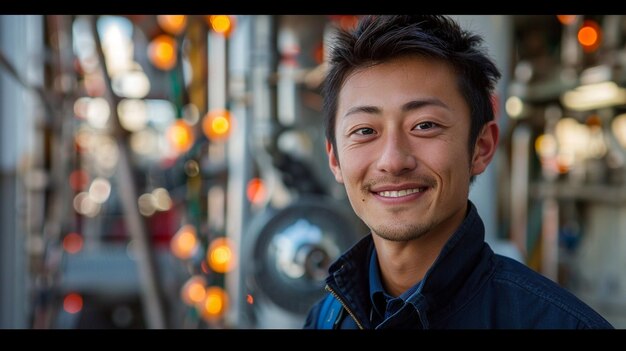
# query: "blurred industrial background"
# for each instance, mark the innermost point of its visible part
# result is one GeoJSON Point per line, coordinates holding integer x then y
{"type": "Point", "coordinates": [168, 171]}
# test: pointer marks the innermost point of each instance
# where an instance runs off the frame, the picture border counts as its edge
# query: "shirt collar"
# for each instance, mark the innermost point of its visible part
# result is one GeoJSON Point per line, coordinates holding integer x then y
{"type": "Point", "coordinates": [377, 291]}
{"type": "Point", "coordinates": [376, 285]}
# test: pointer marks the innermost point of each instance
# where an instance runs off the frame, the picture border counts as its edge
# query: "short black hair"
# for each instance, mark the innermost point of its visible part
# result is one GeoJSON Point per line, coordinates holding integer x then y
{"type": "Point", "coordinates": [378, 39]}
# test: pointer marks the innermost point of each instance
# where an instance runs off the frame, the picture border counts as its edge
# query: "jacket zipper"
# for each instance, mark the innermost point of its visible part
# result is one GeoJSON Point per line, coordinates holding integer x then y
{"type": "Point", "coordinates": [344, 306]}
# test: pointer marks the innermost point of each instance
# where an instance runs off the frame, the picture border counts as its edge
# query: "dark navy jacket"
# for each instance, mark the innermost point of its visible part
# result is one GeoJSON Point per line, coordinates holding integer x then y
{"type": "Point", "coordinates": [468, 286]}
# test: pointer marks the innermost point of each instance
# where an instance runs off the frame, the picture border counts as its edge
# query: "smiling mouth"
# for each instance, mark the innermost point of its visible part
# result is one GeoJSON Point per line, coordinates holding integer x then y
{"type": "Point", "coordinates": [400, 193]}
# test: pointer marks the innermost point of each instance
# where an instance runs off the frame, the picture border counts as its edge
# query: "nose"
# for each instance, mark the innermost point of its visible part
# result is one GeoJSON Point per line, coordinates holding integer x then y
{"type": "Point", "coordinates": [397, 155]}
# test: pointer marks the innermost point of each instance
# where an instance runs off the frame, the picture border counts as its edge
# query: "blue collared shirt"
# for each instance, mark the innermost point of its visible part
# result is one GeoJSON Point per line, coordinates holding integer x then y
{"type": "Point", "coordinates": [383, 304]}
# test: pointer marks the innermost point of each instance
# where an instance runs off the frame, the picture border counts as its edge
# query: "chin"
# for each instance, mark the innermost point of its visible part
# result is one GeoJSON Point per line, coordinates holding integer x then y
{"type": "Point", "coordinates": [401, 233]}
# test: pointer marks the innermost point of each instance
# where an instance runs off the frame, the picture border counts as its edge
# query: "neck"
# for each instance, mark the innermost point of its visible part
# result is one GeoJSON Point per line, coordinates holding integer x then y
{"type": "Point", "coordinates": [404, 264]}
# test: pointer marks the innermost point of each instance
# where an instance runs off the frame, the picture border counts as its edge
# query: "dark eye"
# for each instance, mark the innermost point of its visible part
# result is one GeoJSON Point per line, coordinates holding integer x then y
{"type": "Point", "coordinates": [364, 131]}
{"type": "Point", "coordinates": [425, 125]}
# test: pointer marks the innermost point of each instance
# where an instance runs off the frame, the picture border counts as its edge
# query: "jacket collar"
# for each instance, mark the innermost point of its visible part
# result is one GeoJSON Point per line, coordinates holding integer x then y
{"type": "Point", "coordinates": [446, 284]}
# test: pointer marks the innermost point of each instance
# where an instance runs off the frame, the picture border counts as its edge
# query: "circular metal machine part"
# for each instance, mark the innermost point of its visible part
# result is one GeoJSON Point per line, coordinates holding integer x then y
{"type": "Point", "coordinates": [292, 248]}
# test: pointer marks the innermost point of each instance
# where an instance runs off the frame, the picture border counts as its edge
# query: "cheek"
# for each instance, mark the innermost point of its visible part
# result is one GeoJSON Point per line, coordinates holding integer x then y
{"type": "Point", "coordinates": [354, 166]}
{"type": "Point", "coordinates": [448, 160]}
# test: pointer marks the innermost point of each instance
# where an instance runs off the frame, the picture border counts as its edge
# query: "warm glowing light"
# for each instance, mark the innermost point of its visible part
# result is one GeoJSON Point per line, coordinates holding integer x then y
{"type": "Point", "coordinates": [117, 46]}
{"type": "Point", "coordinates": [220, 125]}
{"type": "Point", "coordinates": [215, 303]}
{"type": "Point", "coordinates": [147, 204]}
{"type": "Point", "coordinates": [514, 106]}
{"type": "Point", "coordinates": [573, 138]}
{"type": "Point", "coordinates": [80, 107]}
{"type": "Point", "coordinates": [144, 142]}
{"type": "Point", "coordinates": [180, 135]}
{"type": "Point", "coordinates": [162, 52]}
{"type": "Point", "coordinates": [72, 243]}
{"type": "Point", "coordinates": [73, 303]}
{"type": "Point", "coordinates": [99, 190]}
{"type": "Point", "coordinates": [106, 154]}
{"type": "Point", "coordinates": [132, 114]}
{"type": "Point", "coordinates": [173, 24]}
{"type": "Point", "coordinates": [546, 146]}
{"type": "Point", "coordinates": [98, 112]}
{"type": "Point", "coordinates": [193, 291]}
{"type": "Point", "coordinates": [222, 24]}
{"type": "Point", "coordinates": [256, 191]}
{"type": "Point", "coordinates": [132, 84]}
{"type": "Point", "coordinates": [566, 19]}
{"type": "Point", "coordinates": [79, 179]}
{"type": "Point", "coordinates": [185, 242]}
{"type": "Point", "coordinates": [590, 35]}
{"type": "Point", "coordinates": [220, 255]}
{"type": "Point", "coordinates": [593, 96]}
{"type": "Point", "coordinates": [250, 299]}
{"type": "Point", "coordinates": [216, 124]}
{"type": "Point", "coordinates": [162, 199]}
{"type": "Point", "coordinates": [84, 205]}
{"type": "Point", "coordinates": [619, 129]}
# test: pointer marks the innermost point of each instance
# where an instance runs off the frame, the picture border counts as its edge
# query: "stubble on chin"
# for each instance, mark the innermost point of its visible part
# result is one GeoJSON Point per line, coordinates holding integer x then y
{"type": "Point", "coordinates": [400, 232]}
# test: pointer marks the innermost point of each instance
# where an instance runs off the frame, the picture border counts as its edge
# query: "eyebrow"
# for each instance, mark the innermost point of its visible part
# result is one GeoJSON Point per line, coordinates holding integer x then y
{"type": "Point", "coordinates": [409, 106]}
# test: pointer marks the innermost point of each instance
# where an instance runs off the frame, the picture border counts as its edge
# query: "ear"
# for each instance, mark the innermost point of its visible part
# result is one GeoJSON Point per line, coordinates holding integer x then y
{"type": "Point", "coordinates": [485, 147]}
{"type": "Point", "coordinates": [333, 162]}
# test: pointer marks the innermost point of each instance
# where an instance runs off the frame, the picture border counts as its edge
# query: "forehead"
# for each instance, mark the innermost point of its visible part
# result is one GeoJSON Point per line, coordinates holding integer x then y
{"type": "Point", "coordinates": [400, 80]}
{"type": "Point", "coordinates": [411, 65]}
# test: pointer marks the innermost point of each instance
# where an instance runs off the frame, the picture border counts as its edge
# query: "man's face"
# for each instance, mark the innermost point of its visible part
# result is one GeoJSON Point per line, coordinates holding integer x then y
{"type": "Point", "coordinates": [402, 130]}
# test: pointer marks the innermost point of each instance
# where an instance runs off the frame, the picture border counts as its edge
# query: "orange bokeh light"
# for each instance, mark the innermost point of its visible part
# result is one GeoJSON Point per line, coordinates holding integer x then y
{"type": "Point", "coordinates": [73, 303]}
{"type": "Point", "coordinates": [590, 35]}
{"type": "Point", "coordinates": [220, 255]}
{"type": "Point", "coordinates": [193, 291]}
{"type": "Point", "coordinates": [72, 243]}
{"type": "Point", "coordinates": [215, 303]}
{"type": "Point", "coordinates": [173, 24]}
{"type": "Point", "coordinates": [256, 191]}
{"type": "Point", "coordinates": [180, 135]}
{"type": "Point", "coordinates": [222, 24]}
{"type": "Point", "coordinates": [162, 52]}
{"type": "Point", "coordinates": [185, 242]}
{"type": "Point", "coordinates": [217, 124]}
{"type": "Point", "coordinates": [566, 19]}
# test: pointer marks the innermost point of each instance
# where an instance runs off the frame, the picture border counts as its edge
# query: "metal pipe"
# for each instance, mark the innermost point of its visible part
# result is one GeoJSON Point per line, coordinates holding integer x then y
{"type": "Point", "coordinates": [150, 289]}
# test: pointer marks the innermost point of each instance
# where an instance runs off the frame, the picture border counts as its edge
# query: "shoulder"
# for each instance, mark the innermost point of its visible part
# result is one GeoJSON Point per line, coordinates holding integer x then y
{"type": "Point", "coordinates": [541, 297]}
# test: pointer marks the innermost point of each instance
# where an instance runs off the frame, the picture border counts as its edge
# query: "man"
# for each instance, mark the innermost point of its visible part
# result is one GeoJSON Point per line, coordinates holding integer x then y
{"type": "Point", "coordinates": [409, 124]}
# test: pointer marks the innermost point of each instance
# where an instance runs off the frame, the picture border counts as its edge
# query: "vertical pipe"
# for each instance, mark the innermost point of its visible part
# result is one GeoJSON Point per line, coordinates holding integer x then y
{"type": "Point", "coordinates": [152, 298]}
{"type": "Point", "coordinates": [20, 37]}
{"type": "Point", "coordinates": [520, 150]}
{"type": "Point", "coordinates": [239, 158]}
{"type": "Point", "coordinates": [549, 239]}
{"type": "Point", "coordinates": [216, 47]}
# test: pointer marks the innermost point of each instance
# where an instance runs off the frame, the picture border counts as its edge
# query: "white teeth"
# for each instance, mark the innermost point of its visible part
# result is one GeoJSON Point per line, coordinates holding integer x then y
{"type": "Point", "coordinates": [399, 193]}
